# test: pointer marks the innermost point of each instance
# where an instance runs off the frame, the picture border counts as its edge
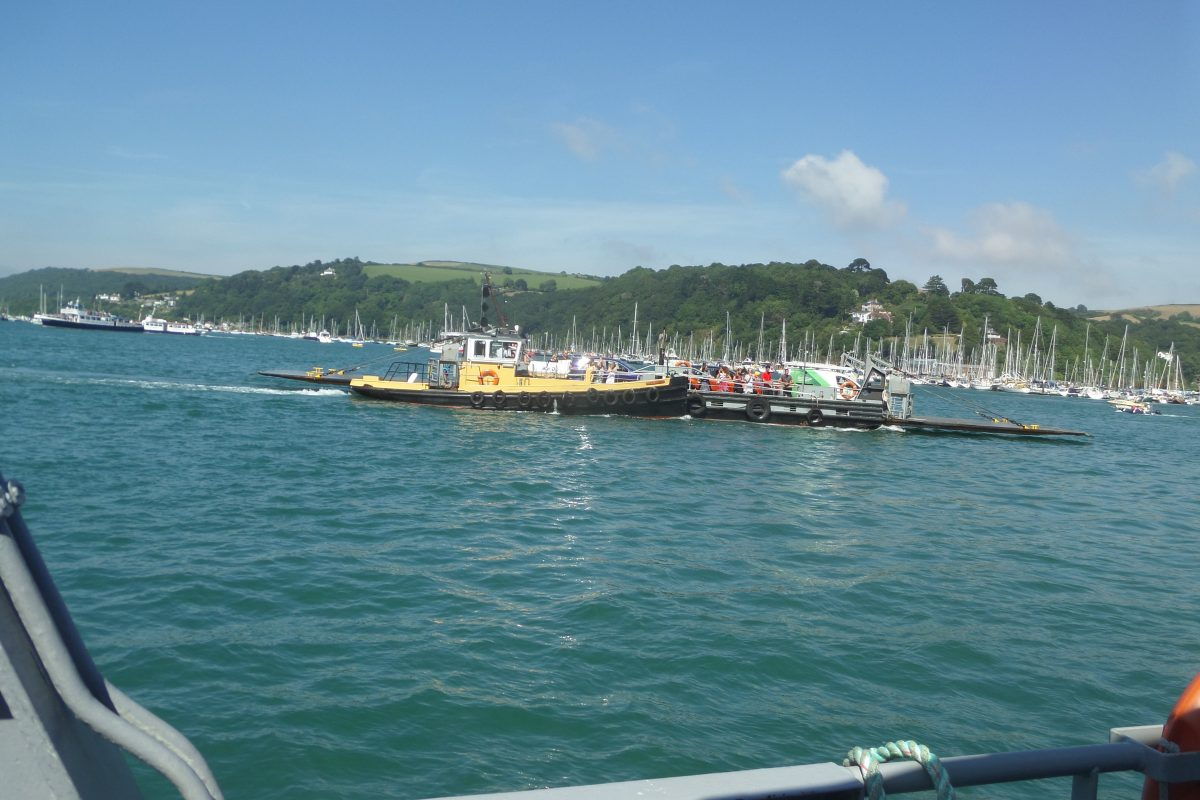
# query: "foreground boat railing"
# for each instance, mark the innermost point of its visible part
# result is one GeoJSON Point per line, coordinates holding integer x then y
{"type": "Point", "coordinates": [1129, 750]}
{"type": "Point", "coordinates": [68, 716]}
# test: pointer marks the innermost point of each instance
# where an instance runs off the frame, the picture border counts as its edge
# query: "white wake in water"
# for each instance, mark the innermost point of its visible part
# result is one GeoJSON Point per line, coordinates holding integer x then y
{"type": "Point", "coordinates": [182, 386]}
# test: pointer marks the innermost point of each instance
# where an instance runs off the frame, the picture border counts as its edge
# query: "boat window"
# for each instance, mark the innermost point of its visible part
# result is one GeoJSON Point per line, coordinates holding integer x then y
{"type": "Point", "coordinates": [480, 348]}
{"type": "Point", "coordinates": [504, 350]}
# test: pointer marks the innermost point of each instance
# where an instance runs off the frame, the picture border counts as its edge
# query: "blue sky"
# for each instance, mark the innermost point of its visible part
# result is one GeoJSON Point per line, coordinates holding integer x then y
{"type": "Point", "coordinates": [1052, 146]}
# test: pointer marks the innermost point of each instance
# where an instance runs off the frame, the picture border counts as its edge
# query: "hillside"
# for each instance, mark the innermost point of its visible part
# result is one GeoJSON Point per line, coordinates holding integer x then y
{"type": "Point", "coordinates": [692, 302]}
{"type": "Point", "coordinates": [159, 271]}
{"type": "Point", "coordinates": [1184, 312]}
{"type": "Point", "coordinates": [440, 271]}
{"type": "Point", "coordinates": [20, 292]}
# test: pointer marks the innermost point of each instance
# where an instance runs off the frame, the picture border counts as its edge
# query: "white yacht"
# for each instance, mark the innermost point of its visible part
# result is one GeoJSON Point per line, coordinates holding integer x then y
{"type": "Point", "coordinates": [152, 324]}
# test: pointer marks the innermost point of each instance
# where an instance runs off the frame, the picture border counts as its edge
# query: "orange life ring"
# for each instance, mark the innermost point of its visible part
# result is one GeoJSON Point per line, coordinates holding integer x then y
{"type": "Point", "coordinates": [489, 377]}
{"type": "Point", "coordinates": [1182, 728]}
{"type": "Point", "coordinates": [848, 390]}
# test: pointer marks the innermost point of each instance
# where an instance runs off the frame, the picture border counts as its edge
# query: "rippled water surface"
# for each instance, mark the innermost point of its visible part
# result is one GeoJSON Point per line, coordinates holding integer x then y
{"type": "Point", "coordinates": [338, 597]}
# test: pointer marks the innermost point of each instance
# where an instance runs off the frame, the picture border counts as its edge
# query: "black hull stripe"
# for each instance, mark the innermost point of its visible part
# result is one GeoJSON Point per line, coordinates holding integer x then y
{"type": "Point", "coordinates": [670, 401]}
{"type": "Point", "coordinates": [83, 326]}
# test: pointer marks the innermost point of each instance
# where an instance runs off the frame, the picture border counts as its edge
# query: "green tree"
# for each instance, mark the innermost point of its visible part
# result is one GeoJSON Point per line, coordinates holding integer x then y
{"type": "Point", "coordinates": [859, 265]}
{"type": "Point", "coordinates": [521, 285]}
{"type": "Point", "coordinates": [899, 292]}
{"type": "Point", "coordinates": [968, 286]}
{"type": "Point", "coordinates": [877, 328]}
{"type": "Point", "coordinates": [548, 286]}
{"type": "Point", "coordinates": [941, 313]}
{"type": "Point", "coordinates": [935, 285]}
{"type": "Point", "coordinates": [987, 286]}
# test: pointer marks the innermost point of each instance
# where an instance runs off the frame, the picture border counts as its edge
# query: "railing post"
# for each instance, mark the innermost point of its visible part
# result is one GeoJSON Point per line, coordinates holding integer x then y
{"type": "Point", "coordinates": [1085, 785]}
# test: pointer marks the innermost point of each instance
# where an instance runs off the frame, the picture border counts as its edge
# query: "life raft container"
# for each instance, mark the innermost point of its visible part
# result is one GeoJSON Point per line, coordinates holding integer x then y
{"type": "Point", "coordinates": [1182, 730]}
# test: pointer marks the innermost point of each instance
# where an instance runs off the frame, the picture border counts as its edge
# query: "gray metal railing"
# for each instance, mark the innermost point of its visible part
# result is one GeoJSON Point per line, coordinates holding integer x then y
{"type": "Point", "coordinates": [1129, 751]}
{"type": "Point", "coordinates": [73, 675]}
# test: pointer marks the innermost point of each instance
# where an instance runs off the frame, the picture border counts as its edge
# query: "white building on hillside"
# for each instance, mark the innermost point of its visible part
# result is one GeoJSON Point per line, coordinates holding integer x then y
{"type": "Point", "coordinates": [872, 309]}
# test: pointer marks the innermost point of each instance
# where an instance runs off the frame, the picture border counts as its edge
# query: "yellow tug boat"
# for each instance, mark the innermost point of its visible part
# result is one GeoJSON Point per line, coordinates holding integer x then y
{"type": "Point", "coordinates": [491, 370]}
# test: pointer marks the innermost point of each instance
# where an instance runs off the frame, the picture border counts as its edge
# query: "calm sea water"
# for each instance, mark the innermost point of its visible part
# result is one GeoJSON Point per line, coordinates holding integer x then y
{"type": "Point", "coordinates": [337, 597]}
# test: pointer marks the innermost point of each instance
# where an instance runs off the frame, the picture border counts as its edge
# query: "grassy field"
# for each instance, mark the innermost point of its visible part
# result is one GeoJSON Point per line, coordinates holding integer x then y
{"type": "Point", "coordinates": [1135, 315]}
{"type": "Point", "coordinates": [156, 271]}
{"type": "Point", "coordinates": [437, 271]}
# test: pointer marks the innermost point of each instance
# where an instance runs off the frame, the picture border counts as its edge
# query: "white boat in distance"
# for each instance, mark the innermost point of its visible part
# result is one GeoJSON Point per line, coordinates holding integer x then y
{"type": "Point", "coordinates": [73, 315]}
{"type": "Point", "coordinates": [151, 324]}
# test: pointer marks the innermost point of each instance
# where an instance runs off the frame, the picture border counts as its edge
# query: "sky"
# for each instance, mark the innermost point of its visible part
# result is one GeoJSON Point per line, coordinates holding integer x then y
{"type": "Point", "coordinates": [1050, 146]}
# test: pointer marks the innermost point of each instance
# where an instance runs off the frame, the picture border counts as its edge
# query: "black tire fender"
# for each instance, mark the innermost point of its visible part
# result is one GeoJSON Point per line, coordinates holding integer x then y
{"type": "Point", "coordinates": [499, 398]}
{"type": "Point", "coordinates": [816, 418]}
{"type": "Point", "coordinates": [758, 410]}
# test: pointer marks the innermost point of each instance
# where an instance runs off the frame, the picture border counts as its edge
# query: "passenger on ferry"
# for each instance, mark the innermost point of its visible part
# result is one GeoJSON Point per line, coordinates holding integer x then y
{"type": "Point", "coordinates": [777, 380]}
{"type": "Point", "coordinates": [724, 382]}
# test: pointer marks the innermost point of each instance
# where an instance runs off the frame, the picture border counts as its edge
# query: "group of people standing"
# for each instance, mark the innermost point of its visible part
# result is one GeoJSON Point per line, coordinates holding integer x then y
{"type": "Point", "coordinates": [769, 380]}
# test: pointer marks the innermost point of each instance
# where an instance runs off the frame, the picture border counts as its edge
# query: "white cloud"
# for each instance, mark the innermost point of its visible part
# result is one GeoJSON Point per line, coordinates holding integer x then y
{"type": "Point", "coordinates": [851, 192]}
{"type": "Point", "coordinates": [1006, 234]}
{"type": "Point", "coordinates": [1026, 250]}
{"type": "Point", "coordinates": [585, 137]}
{"type": "Point", "coordinates": [1167, 174]}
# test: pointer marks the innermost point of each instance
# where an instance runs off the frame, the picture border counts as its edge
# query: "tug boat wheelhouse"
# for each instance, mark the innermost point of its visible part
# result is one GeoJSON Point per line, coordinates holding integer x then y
{"type": "Point", "coordinates": [491, 369]}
